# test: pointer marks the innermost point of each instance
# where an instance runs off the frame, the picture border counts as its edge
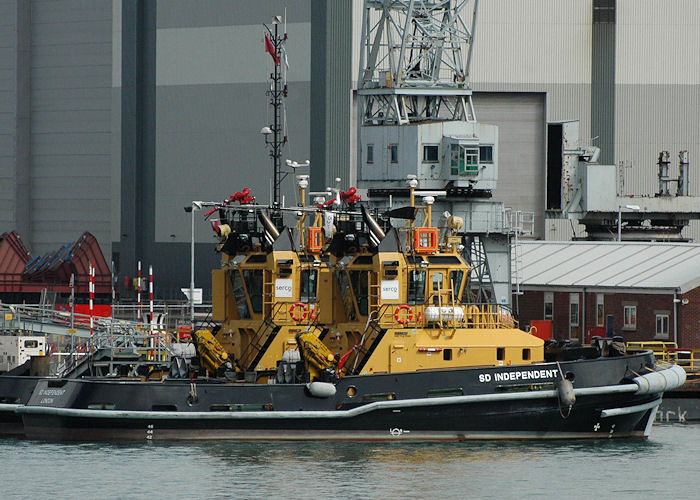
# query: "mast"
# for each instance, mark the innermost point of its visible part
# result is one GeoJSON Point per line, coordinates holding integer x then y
{"type": "Point", "coordinates": [275, 135]}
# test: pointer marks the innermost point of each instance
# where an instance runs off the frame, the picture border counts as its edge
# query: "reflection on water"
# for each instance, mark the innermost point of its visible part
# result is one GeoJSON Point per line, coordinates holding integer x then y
{"type": "Point", "coordinates": [658, 467]}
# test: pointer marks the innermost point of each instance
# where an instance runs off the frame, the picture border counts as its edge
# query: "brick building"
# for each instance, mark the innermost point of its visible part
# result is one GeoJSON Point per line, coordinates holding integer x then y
{"type": "Point", "coordinates": [639, 290]}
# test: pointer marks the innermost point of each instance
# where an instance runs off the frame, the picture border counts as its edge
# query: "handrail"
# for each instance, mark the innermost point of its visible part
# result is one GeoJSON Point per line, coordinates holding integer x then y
{"type": "Point", "coordinates": [472, 316]}
{"type": "Point", "coordinates": [67, 346]}
{"type": "Point", "coordinates": [669, 352]}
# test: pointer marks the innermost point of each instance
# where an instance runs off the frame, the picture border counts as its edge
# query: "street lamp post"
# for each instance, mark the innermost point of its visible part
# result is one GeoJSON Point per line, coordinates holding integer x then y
{"type": "Point", "coordinates": [619, 218]}
{"type": "Point", "coordinates": [196, 205]}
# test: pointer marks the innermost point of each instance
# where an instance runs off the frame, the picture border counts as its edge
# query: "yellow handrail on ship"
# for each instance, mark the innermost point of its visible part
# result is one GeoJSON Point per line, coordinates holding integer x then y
{"type": "Point", "coordinates": [669, 352]}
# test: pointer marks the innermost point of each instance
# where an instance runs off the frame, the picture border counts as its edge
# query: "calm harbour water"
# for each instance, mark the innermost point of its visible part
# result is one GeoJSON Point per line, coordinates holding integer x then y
{"type": "Point", "coordinates": [665, 466]}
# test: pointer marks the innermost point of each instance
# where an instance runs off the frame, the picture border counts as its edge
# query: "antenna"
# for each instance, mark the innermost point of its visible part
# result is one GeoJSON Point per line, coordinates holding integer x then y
{"type": "Point", "coordinates": [273, 133]}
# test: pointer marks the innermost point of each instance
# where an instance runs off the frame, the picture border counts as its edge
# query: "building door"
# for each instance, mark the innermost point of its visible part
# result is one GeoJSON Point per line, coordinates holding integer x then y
{"type": "Point", "coordinates": [609, 323]}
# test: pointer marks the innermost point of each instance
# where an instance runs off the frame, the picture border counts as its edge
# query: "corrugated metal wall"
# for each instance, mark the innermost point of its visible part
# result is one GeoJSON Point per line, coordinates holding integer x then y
{"type": "Point", "coordinates": [603, 79]}
{"type": "Point", "coordinates": [212, 72]}
{"type": "Point", "coordinates": [331, 92]}
{"type": "Point", "coordinates": [657, 93]}
{"type": "Point", "coordinates": [14, 140]}
{"type": "Point", "coordinates": [339, 91]}
{"type": "Point", "coordinates": [60, 100]}
{"type": "Point", "coordinates": [58, 65]}
{"type": "Point", "coordinates": [521, 145]}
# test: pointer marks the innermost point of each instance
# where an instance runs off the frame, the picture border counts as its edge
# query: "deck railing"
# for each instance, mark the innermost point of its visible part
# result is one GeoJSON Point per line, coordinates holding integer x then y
{"type": "Point", "coordinates": [669, 352]}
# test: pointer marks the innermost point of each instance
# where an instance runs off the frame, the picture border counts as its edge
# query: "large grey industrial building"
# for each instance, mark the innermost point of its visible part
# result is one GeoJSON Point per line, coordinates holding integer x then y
{"type": "Point", "coordinates": [115, 114]}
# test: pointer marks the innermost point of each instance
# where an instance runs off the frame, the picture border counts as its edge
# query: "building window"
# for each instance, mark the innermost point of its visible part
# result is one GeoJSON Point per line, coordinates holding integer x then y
{"type": "Point", "coordinates": [630, 314]}
{"type": "Point", "coordinates": [662, 322]}
{"type": "Point", "coordinates": [485, 154]}
{"type": "Point", "coordinates": [548, 305]}
{"type": "Point", "coordinates": [394, 153]}
{"type": "Point", "coordinates": [600, 309]}
{"type": "Point", "coordinates": [573, 315]}
{"type": "Point", "coordinates": [430, 154]}
{"type": "Point", "coordinates": [370, 153]}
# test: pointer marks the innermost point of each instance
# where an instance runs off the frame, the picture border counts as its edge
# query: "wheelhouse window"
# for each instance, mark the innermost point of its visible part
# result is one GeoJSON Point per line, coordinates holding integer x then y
{"type": "Point", "coordinates": [359, 281]}
{"type": "Point", "coordinates": [253, 279]}
{"type": "Point", "coordinates": [370, 153]}
{"type": "Point", "coordinates": [456, 279]}
{"type": "Point", "coordinates": [308, 282]}
{"type": "Point", "coordinates": [239, 294]}
{"type": "Point", "coordinates": [430, 153]}
{"type": "Point", "coordinates": [485, 154]}
{"type": "Point", "coordinates": [416, 287]}
{"type": "Point", "coordinates": [346, 295]}
{"type": "Point", "coordinates": [394, 153]}
{"type": "Point", "coordinates": [437, 280]}
{"type": "Point", "coordinates": [662, 325]}
{"type": "Point", "coordinates": [630, 317]}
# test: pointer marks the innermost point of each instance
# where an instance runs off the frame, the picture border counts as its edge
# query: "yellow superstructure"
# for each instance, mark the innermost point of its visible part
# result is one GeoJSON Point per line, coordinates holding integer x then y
{"type": "Point", "coordinates": [380, 302]}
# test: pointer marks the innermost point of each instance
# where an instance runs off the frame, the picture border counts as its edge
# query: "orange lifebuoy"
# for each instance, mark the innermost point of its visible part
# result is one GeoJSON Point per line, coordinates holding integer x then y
{"type": "Point", "coordinates": [409, 314]}
{"type": "Point", "coordinates": [304, 311]}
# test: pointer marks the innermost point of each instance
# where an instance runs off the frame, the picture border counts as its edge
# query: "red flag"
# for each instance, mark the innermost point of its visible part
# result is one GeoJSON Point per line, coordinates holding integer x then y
{"type": "Point", "coordinates": [270, 49]}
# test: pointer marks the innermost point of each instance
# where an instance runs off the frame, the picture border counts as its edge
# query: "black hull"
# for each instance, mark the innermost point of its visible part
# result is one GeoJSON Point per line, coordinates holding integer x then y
{"type": "Point", "coordinates": [459, 422]}
{"type": "Point", "coordinates": [15, 391]}
{"type": "Point", "coordinates": [476, 403]}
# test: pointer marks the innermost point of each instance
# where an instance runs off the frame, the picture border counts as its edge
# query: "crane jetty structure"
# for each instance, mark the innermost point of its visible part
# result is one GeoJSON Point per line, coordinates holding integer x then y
{"type": "Point", "coordinates": [418, 131]}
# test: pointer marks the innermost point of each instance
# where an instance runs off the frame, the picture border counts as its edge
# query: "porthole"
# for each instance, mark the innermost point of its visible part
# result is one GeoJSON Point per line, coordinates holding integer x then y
{"type": "Point", "coordinates": [352, 391]}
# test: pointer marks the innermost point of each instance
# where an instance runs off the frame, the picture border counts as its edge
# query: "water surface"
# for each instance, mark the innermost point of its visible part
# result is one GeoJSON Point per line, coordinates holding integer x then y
{"type": "Point", "coordinates": [665, 466]}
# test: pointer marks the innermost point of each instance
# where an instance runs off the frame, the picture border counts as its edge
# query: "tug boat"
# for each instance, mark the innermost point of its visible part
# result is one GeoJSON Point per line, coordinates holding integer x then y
{"type": "Point", "coordinates": [344, 326]}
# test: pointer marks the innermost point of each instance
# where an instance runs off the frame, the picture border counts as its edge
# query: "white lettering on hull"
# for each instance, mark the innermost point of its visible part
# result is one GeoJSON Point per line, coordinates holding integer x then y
{"type": "Point", "coordinates": [517, 376]}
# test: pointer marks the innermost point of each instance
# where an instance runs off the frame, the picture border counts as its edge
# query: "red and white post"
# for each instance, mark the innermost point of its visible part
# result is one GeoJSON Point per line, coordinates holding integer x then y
{"type": "Point", "coordinates": [138, 293]}
{"type": "Point", "coordinates": [91, 290]}
{"type": "Point", "coordinates": [150, 306]}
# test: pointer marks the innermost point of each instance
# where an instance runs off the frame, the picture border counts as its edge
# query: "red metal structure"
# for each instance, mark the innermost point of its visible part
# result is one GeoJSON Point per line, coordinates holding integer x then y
{"type": "Point", "coordinates": [13, 259]}
{"type": "Point", "coordinates": [22, 274]}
